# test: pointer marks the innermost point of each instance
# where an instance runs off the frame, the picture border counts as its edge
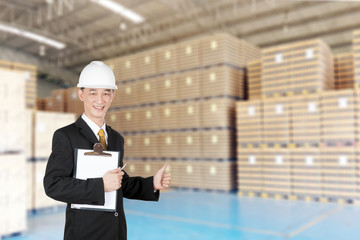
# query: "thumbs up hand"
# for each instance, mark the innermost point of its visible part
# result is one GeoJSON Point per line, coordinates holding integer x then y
{"type": "Point", "coordinates": [161, 179]}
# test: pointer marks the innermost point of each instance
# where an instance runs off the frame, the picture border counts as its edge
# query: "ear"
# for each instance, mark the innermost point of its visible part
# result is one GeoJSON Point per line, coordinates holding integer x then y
{"type": "Point", "coordinates": [81, 94]}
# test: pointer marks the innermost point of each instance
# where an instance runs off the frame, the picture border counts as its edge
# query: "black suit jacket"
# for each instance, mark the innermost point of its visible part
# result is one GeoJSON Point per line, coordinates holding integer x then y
{"type": "Point", "coordinates": [60, 185]}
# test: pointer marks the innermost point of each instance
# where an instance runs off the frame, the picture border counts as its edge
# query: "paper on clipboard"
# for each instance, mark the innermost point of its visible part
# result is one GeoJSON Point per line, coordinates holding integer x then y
{"type": "Point", "coordinates": [94, 166]}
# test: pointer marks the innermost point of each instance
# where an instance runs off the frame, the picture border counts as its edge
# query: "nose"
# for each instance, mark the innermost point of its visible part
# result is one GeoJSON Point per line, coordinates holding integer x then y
{"type": "Point", "coordinates": [100, 98]}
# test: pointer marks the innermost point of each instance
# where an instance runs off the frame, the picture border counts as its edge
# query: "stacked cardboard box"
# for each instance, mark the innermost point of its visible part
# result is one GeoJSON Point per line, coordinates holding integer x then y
{"type": "Point", "coordinates": [312, 154]}
{"type": "Point", "coordinates": [339, 118]}
{"type": "Point", "coordinates": [276, 171]}
{"type": "Point", "coordinates": [59, 103]}
{"type": "Point", "coordinates": [297, 67]}
{"type": "Point", "coordinates": [189, 114]}
{"type": "Point", "coordinates": [222, 80]}
{"type": "Point", "coordinates": [13, 197]}
{"type": "Point", "coordinates": [306, 172]}
{"type": "Point", "coordinates": [249, 123]}
{"type": "Point", "coordinates": [189, 54]}
{"type": "Point", "coordinates": [305, 127]}
{"type": "Point", "coordinates": [276, 121]}
{"type": "Point", "coordinates": [41, 104]}
{"type": "Point", "coordinates": [30, 73]}
{"type": "Point", "coordinates": [218, 112]}
{"type": "Point", "coordinates": [12, 119]}
{"type": "Point", "coordinates": [344, 71]}
{"type": "Point", "coordinates": [356, 54]}
{"type": "Point", "coordinates": [147, 91]}
{"type": "Point", "coordinates": [181, 107]}
{"type": "Point", "coordinates": [167, 59]}
{"type": "Point", "coordinates": [254, 79]}
{"type": "Point", "coordinates": [190, 144]}
{"type": "Point", "coordinates": [74, 105]}
{"type": "Point", "coordinates": [14, 137]}
{"type": "Point", "coordinates": [146, 63]}
{"type": "Point", "coordinates": [46, 123]}
{"type": "Point", "coordinates": [189, 84]}
{"type": "Point", "coordinates": [340, 173]}
{"type": "Point", "coordinates": [249, 174]}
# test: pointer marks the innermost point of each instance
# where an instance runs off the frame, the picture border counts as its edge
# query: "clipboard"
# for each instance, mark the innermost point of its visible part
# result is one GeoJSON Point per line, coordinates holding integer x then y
{"type": "Point", "coordinates": [94, 164]}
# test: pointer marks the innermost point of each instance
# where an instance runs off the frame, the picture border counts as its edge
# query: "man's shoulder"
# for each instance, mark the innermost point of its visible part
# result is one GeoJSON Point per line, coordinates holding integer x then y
{"type": "Point", "coordinates": [113, 131]}
{"type": "Point", "coordinates": [68, 129]}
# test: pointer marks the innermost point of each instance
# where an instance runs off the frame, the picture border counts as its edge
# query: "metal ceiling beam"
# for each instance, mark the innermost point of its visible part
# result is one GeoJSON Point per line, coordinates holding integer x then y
{"type": "Point", "coordinates": [38, 20]}
{"type": "Point", "coordinates": [13, 55]}
{"type": "Point", "coordinates": [173, 27]}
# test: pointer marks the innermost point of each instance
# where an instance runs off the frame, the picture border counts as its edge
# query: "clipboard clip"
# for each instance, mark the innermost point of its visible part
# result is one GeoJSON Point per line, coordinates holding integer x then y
{"type": "Point", "coordinates": [98, 151]}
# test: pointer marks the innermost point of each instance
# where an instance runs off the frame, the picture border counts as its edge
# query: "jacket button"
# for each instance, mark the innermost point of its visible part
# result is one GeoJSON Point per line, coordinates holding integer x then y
{"type": "Point", "coordinates": [116, 214]}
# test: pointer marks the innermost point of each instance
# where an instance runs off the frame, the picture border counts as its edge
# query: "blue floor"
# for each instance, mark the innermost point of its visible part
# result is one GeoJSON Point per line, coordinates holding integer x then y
{"type": "Point", "coordinates": [212, 216]}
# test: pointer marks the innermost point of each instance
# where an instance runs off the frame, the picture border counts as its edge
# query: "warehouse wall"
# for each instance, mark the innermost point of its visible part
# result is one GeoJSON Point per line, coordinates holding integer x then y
{"type": "Point", "coordinates": [45, 88]}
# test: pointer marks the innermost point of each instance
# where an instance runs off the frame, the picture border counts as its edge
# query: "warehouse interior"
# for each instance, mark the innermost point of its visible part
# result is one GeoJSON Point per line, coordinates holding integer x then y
{"type": "Point", "coordinates": [254, 104]}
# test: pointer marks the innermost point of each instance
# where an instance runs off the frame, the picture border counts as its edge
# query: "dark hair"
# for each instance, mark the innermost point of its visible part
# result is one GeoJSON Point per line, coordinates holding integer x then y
{"type": "Point", "coordinates": [82, 89]}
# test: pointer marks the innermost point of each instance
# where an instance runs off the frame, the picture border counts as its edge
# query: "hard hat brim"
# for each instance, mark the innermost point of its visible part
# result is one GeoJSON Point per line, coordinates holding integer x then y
{"type": "Point", "coordinates": [97, 86]}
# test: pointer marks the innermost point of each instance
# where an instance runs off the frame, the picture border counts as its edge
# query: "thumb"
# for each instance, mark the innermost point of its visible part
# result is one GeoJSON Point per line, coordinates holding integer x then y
{"type": "Point", "coordinates": [163, 168]}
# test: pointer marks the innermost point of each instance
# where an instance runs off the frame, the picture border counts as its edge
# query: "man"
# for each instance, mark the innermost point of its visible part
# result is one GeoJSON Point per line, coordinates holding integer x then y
{"type": "Point", "coordinates": [97, 85]}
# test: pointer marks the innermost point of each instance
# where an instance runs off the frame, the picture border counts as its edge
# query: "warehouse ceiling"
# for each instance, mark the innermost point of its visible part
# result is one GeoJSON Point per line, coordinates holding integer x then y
{"type": "Point", "coordinates": [94, 32]}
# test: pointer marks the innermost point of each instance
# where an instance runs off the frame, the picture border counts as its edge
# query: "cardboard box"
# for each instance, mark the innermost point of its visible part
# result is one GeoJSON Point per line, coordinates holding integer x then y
{"type": "Point", "coordinates": [297, 67]}
{"type": "Point", "coordinates": [344, 71]}
{"type": "Point", "coordinates": [13, 195]}
{"type": "Point", "coordinates": [167, 59]}
{"type": "Point", "coordinates": [254, 70]}
{"type": "Point", "coordinates": [218, 112]}
{"type": "Point", "coordinates": [218, 144]}
{"type": "Point", "coordinates": [168, 87]}
{"type": "Point", "coordinates": [189, 114]}
{"type": "Point", "coordinates": [339, 117]}
{"type": "Point", "coordinates": [189, 84]}
{"type": "Point", "coordinates": [223, 80]}
{"type": "Point", "coordinates": [305, 120]}
{"type": "Point", "coordinates": [249, 123]}
{"type": "Point", "coordinates": [190, 144]}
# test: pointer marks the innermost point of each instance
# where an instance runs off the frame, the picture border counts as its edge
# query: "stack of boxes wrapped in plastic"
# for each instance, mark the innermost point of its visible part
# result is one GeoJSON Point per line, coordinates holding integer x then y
{"type": "Point", "coordinates": [25, 145]}
{"type": "Point", "coordinates": [12, 152]}
{"type": "Point", "coordinates": [299, 140]}
{"type": "Point", "coordinates": [176, 104]}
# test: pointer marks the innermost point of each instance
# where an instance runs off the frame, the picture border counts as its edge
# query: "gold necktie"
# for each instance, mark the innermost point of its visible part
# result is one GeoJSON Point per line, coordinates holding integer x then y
{"type": "Point", "coordinates": [102, 138]}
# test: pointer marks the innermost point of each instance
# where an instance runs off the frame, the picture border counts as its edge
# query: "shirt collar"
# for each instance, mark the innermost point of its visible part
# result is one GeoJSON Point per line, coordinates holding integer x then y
{"type": "Point", "coordinates": [94, 127]}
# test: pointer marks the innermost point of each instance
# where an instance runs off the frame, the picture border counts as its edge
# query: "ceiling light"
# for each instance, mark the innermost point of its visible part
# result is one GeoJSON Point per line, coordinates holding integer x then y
{"type": "Point", "coordinates": [32, 36]}
{"type": "Point", "coordinates": [123, 26]}
{"type": "Point", "coordinates": [120, 9]}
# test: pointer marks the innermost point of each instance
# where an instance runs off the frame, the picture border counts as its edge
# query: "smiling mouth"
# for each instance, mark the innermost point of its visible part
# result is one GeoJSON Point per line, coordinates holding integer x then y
{"type": "Point", "coordinates": [98, 108]}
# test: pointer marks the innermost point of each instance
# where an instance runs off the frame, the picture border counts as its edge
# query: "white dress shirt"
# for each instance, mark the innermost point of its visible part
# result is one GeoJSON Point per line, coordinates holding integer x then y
{"type": "Point", "coordinates": [95, 128]}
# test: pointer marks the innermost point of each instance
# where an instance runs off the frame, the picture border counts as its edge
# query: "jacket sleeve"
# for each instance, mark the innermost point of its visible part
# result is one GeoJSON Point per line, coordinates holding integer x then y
{"type": "Point", "coordinates": [139, 188]}
{"type": "Point", "coordinates": [59, 182]}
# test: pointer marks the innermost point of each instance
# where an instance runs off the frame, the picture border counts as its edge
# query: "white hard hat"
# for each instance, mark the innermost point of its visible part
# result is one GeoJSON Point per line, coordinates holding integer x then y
{"type": "Point", "coordinates": [97, 75]}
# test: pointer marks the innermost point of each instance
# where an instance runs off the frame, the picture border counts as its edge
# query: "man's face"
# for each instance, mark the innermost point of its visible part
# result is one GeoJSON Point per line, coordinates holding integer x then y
{"type": "Point", "coordinates": [96, 102]}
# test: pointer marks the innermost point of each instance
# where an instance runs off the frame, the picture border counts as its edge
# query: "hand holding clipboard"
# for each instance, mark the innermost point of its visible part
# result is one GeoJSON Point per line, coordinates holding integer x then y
{"type": "Point", "coordinates": [95, 164]}
{"type": "Point", "coordinates": [113, 179]}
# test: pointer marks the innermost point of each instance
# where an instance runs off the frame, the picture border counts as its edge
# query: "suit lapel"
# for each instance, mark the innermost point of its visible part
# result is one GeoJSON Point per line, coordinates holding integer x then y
{"type": "Point", "coordinates": [86, 130]}
{"type": "Point", "coordinates": [111, 140]}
